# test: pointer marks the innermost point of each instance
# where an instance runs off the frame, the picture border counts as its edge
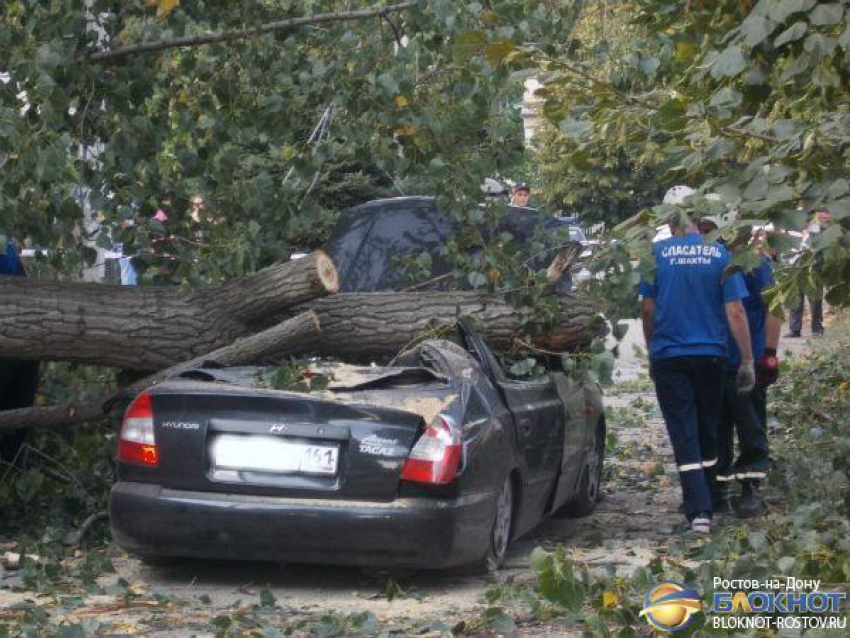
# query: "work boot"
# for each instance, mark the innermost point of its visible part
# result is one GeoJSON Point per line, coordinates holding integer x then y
{"type": "Point", "coordinates": [750, 504]}
{"type": "Point", "coordinates": [721, 498]}
{"type": "Point", "coordinates": [791, 334]}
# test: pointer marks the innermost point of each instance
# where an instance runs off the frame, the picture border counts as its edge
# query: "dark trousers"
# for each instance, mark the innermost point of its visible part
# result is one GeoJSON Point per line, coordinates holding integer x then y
{"type": "Point", "coordinates": [690, 394]}
{"type": "Point", "coordinates": [18, 384]}
{"type": "Point", "coordinates": [795, 318]}
{"type": "Point", "coordinates": [745, 414]}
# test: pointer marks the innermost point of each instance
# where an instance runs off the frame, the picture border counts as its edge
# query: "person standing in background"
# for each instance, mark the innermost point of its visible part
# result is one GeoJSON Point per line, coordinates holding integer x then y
{"type": "Point", "coordinates": [821, 220]}
{"type": "Point", "coordinates": [18, 379]}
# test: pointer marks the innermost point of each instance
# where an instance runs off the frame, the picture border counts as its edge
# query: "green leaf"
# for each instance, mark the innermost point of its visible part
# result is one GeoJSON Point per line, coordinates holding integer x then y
{"type": "Point", "coordinates": [780, 11]}
{"type": "Point", "coordinates": [575, 128]}
{"type": "Point", "coordinates": [785, 564]}
{"type": "Point", "coordinates": [838, 188]}
{"type": "Point", "coordinates": [496, 51]}
{"type": "Point", "coordinates": [826, 14]}
{"type": "Point", "coordinates": [496, 619]}
{"type": "Point", "coordinates": [729, 63]}
{"type": "Point", "coordinates": [726, 97]}
{"type": "Point", "coordinates": [649, 65]}
{"type": "Point", "coordinates": [47, 58]}
{"type": "Point", "coordinates": [671, 115]}
{"type": "Point", "coordinates": [840, 208]}
{"type": "Point", "coordinates": [467, 45]}
{"type": "Point", "coordinates": [388, 83]}
{"type": "Point", "coordinates": [823, 240]}
{"type": "Point", "coordinates": [791, 34]}
{"type": "Point", "coordinates": [755, 29]}
{"type": "Point", "coordinates": [798, 65]}
{"type": "Point", "coordinates": [783, 129]}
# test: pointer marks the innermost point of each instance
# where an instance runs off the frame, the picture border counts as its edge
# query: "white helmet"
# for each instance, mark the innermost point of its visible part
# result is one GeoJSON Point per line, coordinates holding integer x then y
{"type": "Point", "coordinates": [678, 194]}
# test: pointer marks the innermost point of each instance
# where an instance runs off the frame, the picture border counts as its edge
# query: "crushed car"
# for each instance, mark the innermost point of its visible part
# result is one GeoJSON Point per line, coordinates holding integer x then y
{"type": "Point", "coordinates": [437, 458]}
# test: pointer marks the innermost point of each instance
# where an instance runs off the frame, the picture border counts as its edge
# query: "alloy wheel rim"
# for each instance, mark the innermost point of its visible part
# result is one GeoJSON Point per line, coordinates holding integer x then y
{"type": "Point", "coordinates": [502, 524]}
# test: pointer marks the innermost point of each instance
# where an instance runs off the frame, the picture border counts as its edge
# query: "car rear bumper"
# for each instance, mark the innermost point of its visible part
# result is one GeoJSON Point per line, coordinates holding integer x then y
{"type": "Point", "coordinates": [408, 532]}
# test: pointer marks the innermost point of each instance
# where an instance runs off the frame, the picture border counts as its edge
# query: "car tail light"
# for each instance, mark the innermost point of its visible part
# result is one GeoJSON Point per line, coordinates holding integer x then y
{"type": "Point", "coordinates": [137, 443]}
{"type": "Point", "coordinates": [435, 457]}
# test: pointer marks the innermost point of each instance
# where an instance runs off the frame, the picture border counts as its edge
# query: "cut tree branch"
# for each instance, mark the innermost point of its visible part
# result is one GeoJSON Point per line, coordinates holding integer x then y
{"type": "Point", "coordinates": [224, 36]}
{"type": "Point", "coordinates": [48, 417]}
{"type": "Point", "coordinates": [294, 336]}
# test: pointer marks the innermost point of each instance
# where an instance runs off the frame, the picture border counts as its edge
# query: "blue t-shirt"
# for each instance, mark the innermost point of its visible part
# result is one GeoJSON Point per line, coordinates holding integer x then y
{"type": "Point", "coordinates": [10, 263]}
{"type": "Point", "coordinates": [756, 281]}
{"type": "Point", "coordinates": [690, 293]}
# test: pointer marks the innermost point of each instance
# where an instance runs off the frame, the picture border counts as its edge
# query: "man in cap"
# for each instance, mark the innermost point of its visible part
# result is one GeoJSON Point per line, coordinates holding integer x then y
{"type": "Point", "coordinates": [520, 194]}
{"type": "Point", "coordinates": [687, 312]}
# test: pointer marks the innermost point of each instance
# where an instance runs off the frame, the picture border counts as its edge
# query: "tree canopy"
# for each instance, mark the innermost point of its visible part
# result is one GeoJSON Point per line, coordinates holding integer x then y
{"type": "Point", "coordinates": [277, 130]}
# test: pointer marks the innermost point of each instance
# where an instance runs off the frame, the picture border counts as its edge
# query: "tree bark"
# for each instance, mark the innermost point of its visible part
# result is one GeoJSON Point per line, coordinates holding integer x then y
{"type": "Point", "coordinates": [300, 334]}
{"type": "Point", "coordinates": [54, 416]}
{"type": "Point", "coordinates": [381, 323]}
{"type": "Point", "coordinates": [149, 328]}
{"type": "Point", "coordinates": [296, 335]}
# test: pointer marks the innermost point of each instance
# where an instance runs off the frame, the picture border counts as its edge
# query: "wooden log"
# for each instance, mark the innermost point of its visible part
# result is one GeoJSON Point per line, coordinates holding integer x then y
{"type": "Point", "coordinates": [301, 333]}
{"type": "Point", "coordinates": [149, 328]}
{"type": "Point", "coordinates": [278, 287]}
{"type": "Point", "coordinates": [383, 323]}
{"type": "Point", "coordinates": [298, 334]}
{"type": "Point", "coordinates": [48, 417]}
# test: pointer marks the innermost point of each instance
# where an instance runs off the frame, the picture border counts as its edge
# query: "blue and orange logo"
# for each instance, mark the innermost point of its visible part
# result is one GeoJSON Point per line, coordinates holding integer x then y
{"type": "Point", "coordinates": [670, 607]}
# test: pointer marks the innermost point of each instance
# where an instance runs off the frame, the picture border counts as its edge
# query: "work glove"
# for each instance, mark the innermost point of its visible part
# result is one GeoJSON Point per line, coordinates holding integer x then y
{"type": "Point", "coordinates": [746, 379]}
{"type": "Point", "coordinates": [767, 368]}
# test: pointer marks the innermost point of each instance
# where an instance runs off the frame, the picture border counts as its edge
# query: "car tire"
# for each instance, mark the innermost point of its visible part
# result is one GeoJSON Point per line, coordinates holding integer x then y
{"type": "Point", "coordinates": [590, 485]}
{"type": "Point", "coordinates": [501, 528]}
{"type": "Point", "coordinates": [152, 560]}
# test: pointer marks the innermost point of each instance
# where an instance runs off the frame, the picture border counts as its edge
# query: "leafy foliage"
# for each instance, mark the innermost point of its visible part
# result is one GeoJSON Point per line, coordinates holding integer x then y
{"type": "Point", "coordinates": [278, 131]}
{"type": "Point", "coordinates": [747, 100]}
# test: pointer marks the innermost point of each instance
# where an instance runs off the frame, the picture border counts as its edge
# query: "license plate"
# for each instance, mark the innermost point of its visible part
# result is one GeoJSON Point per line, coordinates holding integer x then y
{"type": "Point", "coordinates": [272, 454]}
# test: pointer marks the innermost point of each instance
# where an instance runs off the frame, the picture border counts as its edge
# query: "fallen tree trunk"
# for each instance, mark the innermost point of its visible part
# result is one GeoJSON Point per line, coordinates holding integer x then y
{"type": "Point", "coordinates": [149, 328]}
{"type": "Point", "coordinates": [296, 335]}
{"type": "Point", "coordinates": [380, 323]}
{"type": "Point", "coordinates": [300, 334]}
{"type": "Point", "coordinates": [48, 417]}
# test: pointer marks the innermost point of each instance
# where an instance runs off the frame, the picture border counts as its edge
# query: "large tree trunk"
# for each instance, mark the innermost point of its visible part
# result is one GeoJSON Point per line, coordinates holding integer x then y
{"type": "Point", "coordinates": [376, 323]}
{"type": "Point", "coordinates": [149, 328]}
{"type": "Point", "coordinates": [298, 334]}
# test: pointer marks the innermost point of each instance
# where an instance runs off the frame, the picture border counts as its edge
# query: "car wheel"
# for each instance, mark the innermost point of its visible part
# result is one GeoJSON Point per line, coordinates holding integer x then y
{"type": "Point", "coordinates": [152, 560]}
{"type": "Point", "coordinates": [590, 484]}
{"type": "Point", "coordinates": [500, 531]}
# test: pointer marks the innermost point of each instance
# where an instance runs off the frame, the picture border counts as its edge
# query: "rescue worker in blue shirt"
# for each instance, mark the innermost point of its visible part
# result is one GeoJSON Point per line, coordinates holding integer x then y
{"type": "Point", "coordinates": [18, 379]}
{"type": "Point", "coordinates": [685, 313]}
{"type": "Point", "coordinates": [747, 413]}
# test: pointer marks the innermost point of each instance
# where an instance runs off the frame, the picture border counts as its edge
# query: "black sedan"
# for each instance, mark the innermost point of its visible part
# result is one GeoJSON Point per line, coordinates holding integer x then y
{"type": "Point", "coordinates": [439, 459]}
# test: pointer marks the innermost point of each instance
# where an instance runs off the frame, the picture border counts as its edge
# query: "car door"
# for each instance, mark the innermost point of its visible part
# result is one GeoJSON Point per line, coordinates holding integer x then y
{"type": "Point", "coordinates": [539, 420]}
{"type": "Point", "coordinates": [572, 396]}
{"type": "Point", "coordinates": [538, 417]}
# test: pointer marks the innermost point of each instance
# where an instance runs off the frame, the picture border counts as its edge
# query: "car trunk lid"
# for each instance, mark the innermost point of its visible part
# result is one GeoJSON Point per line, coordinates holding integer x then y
{"type": "Point", "coordinates": [349, 440]}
